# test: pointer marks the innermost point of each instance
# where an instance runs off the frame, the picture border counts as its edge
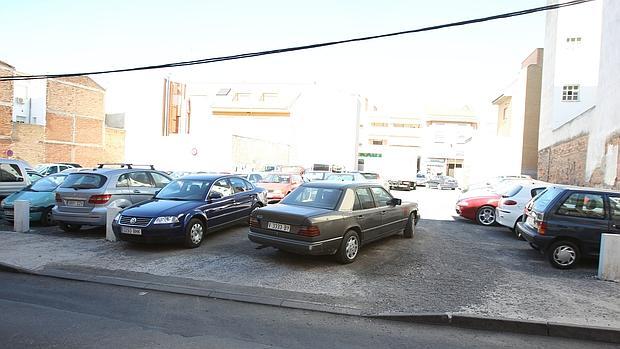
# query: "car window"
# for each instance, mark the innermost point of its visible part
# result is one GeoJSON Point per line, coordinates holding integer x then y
{"type": "Point", "coordinates": [184, 189]}
{"type": "Point", "coordinates": [315, 176]}
{"type": "Point", "coordinates": [365, 198]}
{"type": "Point", "coordinates": [297, 179]}
{"type": "Point", "coordinates": [254, 178]}
{"type": "Point", "coordinates": [160, 180]}
{"type": "Point", "coordinates": [543, 200]}
{"type": "Point", "coordinates": [614, 203]}
{"type": "Point", "coordinates": [349, 201]}
{"type": "Point", "coordinates": [84, 181]}
{"type": "Point", "coordinates": [584, 205]}
{"type": "Point", "coordinates": [238, 185]}
{"type": "Point", "coordinates": [341, 177]}
{"type": "Point", "coordinates": [63, 167]}
{"type": "Point", "coordinates": [34, 176]}
{"type": "Point", "coordinates": [140, 179]}
{"type": "Point", "coordinates": [512, 191]}
{"type": "Point", "coordinates": [275, 178]}
{"type": "Point", "coordinates": [223, 187]}
{"type": "Point", "coordinates": [370, 176]}
{"type": "Point", "coordinates": [48, 183]}
{"type": "Point", "coordinates": [536, 191]}
{"type": "Point", "coordinates": [10, 173]}
{"type": "Point", "coordinates": [248, 185]}
{"type": "Point", "coordinates": [382, 197]}
{"type": "Point", "coordinates": [123, 181]}
{"type": "Point", "coordinates": [314, 197]}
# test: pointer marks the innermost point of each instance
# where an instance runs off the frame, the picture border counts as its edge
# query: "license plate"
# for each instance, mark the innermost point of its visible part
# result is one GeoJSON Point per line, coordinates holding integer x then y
{"type": "Point", "coordinates": [278, 226]}
{"type": "Point", "coordinates": [530, 221]}
{"type": "Point", "coordinates": [75, 203]}
{"type": "Point", "coordinates": [132, 231]}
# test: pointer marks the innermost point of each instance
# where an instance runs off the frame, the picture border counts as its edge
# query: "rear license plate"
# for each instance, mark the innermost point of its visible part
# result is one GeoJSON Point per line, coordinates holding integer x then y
{"type": "Point", "coordinates": [278, 226]}
{"type": "Point", "coordinates": [530, 221]}
{"type": "Point", "coordinates": [75, 203]}
{"type": "Point", "coordinates": [132, 231]}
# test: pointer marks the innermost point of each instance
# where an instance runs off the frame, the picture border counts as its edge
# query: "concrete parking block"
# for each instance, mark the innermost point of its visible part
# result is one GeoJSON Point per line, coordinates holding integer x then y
{"type": "Point", "coordinates": [247, 298]}
{"type": "Point", "coordinates": [321, 307]}
{"type": "Point", "coordinates": [479, 322]}
{"type": "Point", "coordinates": [601, 334]}
{"type": "Point", "coordinates": [421, 318]}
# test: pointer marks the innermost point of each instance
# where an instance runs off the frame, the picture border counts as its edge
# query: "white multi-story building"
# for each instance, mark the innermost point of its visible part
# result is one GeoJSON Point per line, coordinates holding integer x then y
{"type": "Point", "coordinates": [580, 103]}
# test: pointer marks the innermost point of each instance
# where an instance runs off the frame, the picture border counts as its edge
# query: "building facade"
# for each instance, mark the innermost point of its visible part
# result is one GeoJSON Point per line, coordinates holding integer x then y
{"type": "Point", "coordinates": [56, 120]}
{"type": "Point", "coordinates": [579, 132]}
{"type": "Point", "coordinates": [518, 116]}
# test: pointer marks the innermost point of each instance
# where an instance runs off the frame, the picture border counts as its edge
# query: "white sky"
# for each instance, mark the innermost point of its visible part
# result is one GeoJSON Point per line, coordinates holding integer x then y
{"type": "Point", "coordinates": [451, 67]}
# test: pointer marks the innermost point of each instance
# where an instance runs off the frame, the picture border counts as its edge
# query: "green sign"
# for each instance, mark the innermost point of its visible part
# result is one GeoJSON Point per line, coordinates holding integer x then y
{"type": "Point", "coordinates": [370, 155]}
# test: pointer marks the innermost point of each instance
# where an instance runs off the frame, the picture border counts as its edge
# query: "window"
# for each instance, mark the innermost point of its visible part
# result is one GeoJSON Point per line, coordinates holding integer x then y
{"type": "Point", "coordinates": [268, 96]}
{"type": "Point", "coordinates": [536, 191]}
{"type": "Point", "coordinates": [570, 93]}
{"type": "Point", "coordinates": [378, 142]}
{"type": "Point", "coordinates": [382, 197]}
{"type": "Point", "coordinates": [184, 189]}
{"type": "Point", "coordinates": [160, 180]}
{"type": "Point", "coordinates": [614, 203]}
{"type": "Point", "coordinates": [48, 184]}
{"type": "Point", "coordinates": [314, 197]}
{"type": "Point", "coordinates": [542, 201]}
{"type": "Point", "coordinates": [84, 181]}
{"type": "Point", "coordinates": [223, 187]}
{"type": "Point", "coordinates": [140, 179]}
{"type": "Point", "coordinates": [574, 40]}
{"type": "Point", "coordinates": [238, 185]}
{"type": "Point", "coordinates": [255, 178]}
{"type": "Point", "coordinates": [379, 124]}
{"type": "Point", "coordinates": [583, 205]}
{"type": "Point", "coordinates": [505, 113]}
{"type": "Point", "coordinates": [10, 173]}
{"type": "Point", "coordinates": [241, 97]}
{"type": "Point", "coordinates": [34, 176]}
{"type": "Point", "coordinates": [365, 198]}
{"type": "Point", "coordinates": [401, 125]}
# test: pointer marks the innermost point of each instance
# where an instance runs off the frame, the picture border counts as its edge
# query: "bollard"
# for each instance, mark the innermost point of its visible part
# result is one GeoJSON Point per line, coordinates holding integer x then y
{"type": "Point", "coordinates": [111, 213]}
{"type": "Point", "coordinates": [21, 223]}
{"type": "Point", "coordinates": [609, 258]}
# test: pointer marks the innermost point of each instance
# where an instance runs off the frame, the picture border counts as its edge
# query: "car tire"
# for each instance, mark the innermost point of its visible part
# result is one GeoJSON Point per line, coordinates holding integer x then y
{"type": "Point", "coordinates": [486, 215]}
{"type": "Point", "coordinates": [46, 217]}
{"type": "Point", "coordinates": [69, 228]}
{"type": "Point", "coordinates": [194, 233]}
{"type": "Point", "coordinates": [410, 227]}
{"type": "Point", "coordinates": [349, 247]}
{"type": "Point", "coordinates": [563, 254]}
{"type": "Point", "coordinates": [453, 188]}
{"type": "Point", "coordinates": [514, 229]}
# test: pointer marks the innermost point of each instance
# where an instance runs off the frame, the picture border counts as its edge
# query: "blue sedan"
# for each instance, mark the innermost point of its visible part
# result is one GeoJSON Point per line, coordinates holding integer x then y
{"type": "Point", "coordinates": [188, 207]}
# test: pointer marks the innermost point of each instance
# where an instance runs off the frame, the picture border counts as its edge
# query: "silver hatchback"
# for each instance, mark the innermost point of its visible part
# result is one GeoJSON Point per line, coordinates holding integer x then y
{"type": "Point", "coordinates": [83, 198]}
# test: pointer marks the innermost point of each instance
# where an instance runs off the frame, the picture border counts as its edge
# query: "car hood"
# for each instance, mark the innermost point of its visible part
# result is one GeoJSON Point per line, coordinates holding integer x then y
{"type": "Point", "coordinates": [36, 198]}
{"type": "Point", "coordinates": [161, 207]}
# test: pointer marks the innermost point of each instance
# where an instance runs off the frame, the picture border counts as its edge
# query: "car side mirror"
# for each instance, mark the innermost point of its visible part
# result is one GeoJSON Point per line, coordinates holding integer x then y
{"type": "Point", "coordinates": [395, 202]}
{"type": "Point", "coordinates": [214, 195]}
{"type": "Point", "coordinates": [20, 179]}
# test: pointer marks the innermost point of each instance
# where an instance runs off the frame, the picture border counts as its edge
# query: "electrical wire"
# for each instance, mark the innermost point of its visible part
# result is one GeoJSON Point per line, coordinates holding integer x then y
{"type": "Point", "coordinates": [300, 48]}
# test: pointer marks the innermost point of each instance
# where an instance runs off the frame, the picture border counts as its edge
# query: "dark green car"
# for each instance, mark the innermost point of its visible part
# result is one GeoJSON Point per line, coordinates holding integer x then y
{"type": "Point", "coordinates": [41, 197]}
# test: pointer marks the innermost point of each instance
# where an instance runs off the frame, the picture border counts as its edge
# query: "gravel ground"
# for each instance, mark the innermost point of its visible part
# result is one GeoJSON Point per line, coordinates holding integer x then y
{"type": "Point", "coordinates": [451, 265]}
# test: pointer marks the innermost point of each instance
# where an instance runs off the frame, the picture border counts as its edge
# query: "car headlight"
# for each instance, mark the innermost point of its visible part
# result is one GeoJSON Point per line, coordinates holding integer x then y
{"type": "Point", "coordinates": [117, 217]}
{"type": "Point", "coordinates": [277, 191]}
{"type": "Point", "coordinates": [463, 203]}
{"type": "Point", "coordinates": [166, 220]}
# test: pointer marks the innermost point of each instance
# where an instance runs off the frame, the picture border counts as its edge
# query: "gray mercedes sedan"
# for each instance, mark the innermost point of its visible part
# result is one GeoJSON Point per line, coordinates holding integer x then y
{"type": "Point", "coordinates": [332, 218]}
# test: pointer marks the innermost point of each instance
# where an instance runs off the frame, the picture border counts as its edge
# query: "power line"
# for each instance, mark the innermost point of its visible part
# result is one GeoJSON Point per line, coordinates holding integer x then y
{"type": "Point", "coordinates": [304, 47]}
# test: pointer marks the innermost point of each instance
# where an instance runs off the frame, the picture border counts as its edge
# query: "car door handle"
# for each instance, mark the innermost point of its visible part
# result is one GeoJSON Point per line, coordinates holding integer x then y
{"type": "Point", "coordinates": [136, 191]}
{"type": "Point", "coordinates": [383, 212]}
{"type": "Point", "coordinates": [360, 216]}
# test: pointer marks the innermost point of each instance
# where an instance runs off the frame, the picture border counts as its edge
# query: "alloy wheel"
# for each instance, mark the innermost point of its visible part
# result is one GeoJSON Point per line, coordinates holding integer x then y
{"type": "Point", "coordinates": [352, 247]}
{"type": "Point", "coordinates": [196, 233]}
{"type": "Point", "coordinates": [564, 255]}
{"type": "Point", "coordinates": [486, 216]}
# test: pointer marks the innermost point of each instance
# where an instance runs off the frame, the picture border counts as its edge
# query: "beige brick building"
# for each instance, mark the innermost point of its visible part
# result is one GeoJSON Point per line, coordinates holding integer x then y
{"type": "Point", "coordinates": [56, 120]}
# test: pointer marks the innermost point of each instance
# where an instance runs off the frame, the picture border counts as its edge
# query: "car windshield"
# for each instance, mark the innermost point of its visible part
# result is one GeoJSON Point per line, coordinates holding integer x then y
{"type": "Point", "coordinates": [511, 191]}
{"type": "Point", "coordinates": [341, 177]}
{"type": "Point", "coordinates": [277, 178]}
{"type": "Point", "coordinates": [542, 200]}
{"type": "Point", "coordinates": [313, 176]}
{"type": "Point", "coordinates": [40, 168]}
{"type": "Point", "coordinates": [48, 184]}
{"type": "Point", "coordinates": [370, 175]}
{"type": "Point", "coordinates": [314, 197]}
{"type": "Point", "coordinates": [84, 181]}
{"type": "Point", "coordinates": [184, 189]}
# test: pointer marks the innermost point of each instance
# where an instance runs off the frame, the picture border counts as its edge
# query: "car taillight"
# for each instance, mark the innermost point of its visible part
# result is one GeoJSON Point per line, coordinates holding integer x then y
{"type": "Point", "coordinates": [254, 223]}
{"type": "Point", "coordinates": [509, 202]}
{"type": "Point", "coordinates": [58, 198]}
{"type": "Point", "coordinates": [310, 231]}
{"type": "Point", "coordinates": [542, 228]}
{"type": "Point", "coordinates": [99, 199]}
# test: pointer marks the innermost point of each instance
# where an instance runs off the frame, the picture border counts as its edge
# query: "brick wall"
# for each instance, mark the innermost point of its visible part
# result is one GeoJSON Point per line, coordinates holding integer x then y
{"type": "Point", "coordinates": [565, 162]}
{"type": "Point", "coordinates": [89, 156]}
{"type": "Point", "coordinates": [74, 99]}
{"type": "Point", "coordinates": [59, 127]}
{"type": "Point", "coordinates": [58, 152]}
{"type": "Point", "coordinates": [114, 150]}
{"type": "Point", "coordinates": [88, 130]}
{"type": "Point", "coordinates": [6, 120]}
{"type": "Point", "coordinates": [27, 143]}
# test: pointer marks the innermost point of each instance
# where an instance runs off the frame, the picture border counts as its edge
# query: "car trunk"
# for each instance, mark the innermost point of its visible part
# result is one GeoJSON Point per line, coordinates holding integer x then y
{"type": "Point", "coordinates": [288, 215]}
{"type": "Point", "coordinates": [76, 201]}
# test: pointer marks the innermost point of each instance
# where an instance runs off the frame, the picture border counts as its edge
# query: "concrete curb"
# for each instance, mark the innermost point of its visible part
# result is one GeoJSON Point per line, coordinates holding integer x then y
{"type": "Point", "coordinates": [476, 322]}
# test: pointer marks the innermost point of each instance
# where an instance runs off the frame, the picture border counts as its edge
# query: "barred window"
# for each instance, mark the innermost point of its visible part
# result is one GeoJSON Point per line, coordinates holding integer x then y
{"type": "Point", "coordinates": [570, 93]}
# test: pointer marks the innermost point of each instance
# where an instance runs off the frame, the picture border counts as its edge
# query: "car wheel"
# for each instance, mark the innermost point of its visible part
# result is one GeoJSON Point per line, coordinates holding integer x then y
{"type": "Point", "coordinates": [518, 234]}
{"type": "Point", "coordinates": [439, 186]}
{"type": "Point", "coordinates": [453, 188]}
{"type": "Point", "coordinates": [46, 217]}
{"type": "Point", "coordinates": [410, 227]}
{"type": "Point", "coordinates": [349, 247]}
{"type": "Point", "coordinates": [563, 254]}
{"type": "Point", "coordinates": [194, 233]}
{"type": "Point", "coordinates": [69, 228]}
{"type": "Point", "coordinates": [486, 215]}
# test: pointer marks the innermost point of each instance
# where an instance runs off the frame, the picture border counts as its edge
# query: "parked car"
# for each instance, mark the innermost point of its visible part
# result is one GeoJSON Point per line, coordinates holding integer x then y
{"type": "Point", "coordinates": [13, 176]}
{"type": "Point", "coordinates": [566, 223]}
{"type": "Point", "coordinates": [83, 198]}
{"type": "Point", "coordinates": [332, 218]}
{"type": "Point", "coordinates": [494, 184]}
{"type": "Point", "coordinates": [252, 177]}
{"type": "Point", "coordinates": [34, 175]}
{"type": "Point", "coordinates": [312, 175]}
{"type": "Point", "coordinates": [479, 208]}
{"type": "Point", "coordinates": [510, 208]}
{"type": "Point", "coordinates": [188, 208]}
{"type": "Point", "coordinates": [363, 177]}
{"type": "Point", "coordinates": [41, 197]}
{"type": "Point", "coordinates": [442, 182]}
{"type": "Point", "coordinates": [421, 179]}
{"type": "Point", "coordinates": [279, 185]}
{"type": "Point", "coordinates": [48, 169]}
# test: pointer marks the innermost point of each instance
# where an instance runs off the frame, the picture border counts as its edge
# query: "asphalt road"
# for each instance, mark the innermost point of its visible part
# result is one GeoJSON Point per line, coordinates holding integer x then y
{"type": "Point", "coordinates": [41, 312]}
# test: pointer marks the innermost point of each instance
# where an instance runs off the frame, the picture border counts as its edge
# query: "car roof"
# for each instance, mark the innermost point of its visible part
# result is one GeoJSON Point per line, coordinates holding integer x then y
{"type": "Point", "coordinates": [208, 176]}
{"type": "Point", "coordinates": [585, 189]}
{"type": "Point", "coordinates": [338, 184]}
{"type": "Point", "coordinates": [111, 171]}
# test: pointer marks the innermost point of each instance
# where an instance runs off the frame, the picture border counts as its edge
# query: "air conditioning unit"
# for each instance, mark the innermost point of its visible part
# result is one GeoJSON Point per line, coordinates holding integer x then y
{"type": "Point", "coordinates": [20, 100]}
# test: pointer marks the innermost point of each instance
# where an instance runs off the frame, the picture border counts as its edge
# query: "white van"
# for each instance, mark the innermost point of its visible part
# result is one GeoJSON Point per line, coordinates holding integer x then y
{"type": "Point", "coordinates": [13, 176]}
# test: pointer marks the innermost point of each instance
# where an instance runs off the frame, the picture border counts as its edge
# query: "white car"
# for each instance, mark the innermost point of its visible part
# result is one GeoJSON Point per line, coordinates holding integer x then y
{"type": "Point", "coordinates": [510, 208]}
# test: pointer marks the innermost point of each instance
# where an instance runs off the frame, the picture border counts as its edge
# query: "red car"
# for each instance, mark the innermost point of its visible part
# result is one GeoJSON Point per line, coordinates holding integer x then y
{"type": "Point", "coordinates": [479, 207]}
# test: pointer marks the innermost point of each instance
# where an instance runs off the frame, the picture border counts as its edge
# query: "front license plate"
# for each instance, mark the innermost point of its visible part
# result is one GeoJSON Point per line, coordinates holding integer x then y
{"type": "Point", "coordinates": [278, 226]}
{"type": "Point", "coordinates": [75, 203]}
{"type": "Point", "coordinates": [132, 231]}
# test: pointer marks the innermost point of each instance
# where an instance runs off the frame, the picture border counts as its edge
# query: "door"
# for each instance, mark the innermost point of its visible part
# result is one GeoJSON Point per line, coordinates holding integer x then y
{"type": "Point", "coordinates": [220, 204]}
{"type": "Point", "coordinates": [582, 216]}
{"type": "Point", "coordinates": [244, 197]}
{"type": "Point", "coordinates": [391, 216]}
{"type": "Point", "coordinates": [141, 186]}
{"type": "Point", "coordinates": [614, 209]}
{"type": "Point", "coordinates": [367, 215]}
